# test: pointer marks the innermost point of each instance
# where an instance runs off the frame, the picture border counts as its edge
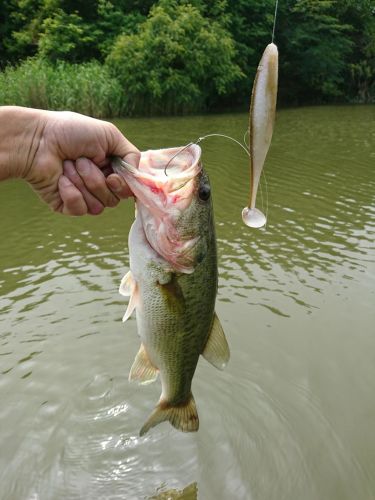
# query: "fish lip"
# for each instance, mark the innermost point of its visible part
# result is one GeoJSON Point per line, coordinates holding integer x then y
{"type": "Point", "coordinates": [164, 194]}
{"type": "Point", "coordinates": [166, 171]}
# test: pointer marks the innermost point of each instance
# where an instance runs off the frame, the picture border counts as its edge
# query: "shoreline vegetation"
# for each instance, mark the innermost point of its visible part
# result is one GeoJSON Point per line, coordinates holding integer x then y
{"type": "Point", "coordinates": [173, 57]}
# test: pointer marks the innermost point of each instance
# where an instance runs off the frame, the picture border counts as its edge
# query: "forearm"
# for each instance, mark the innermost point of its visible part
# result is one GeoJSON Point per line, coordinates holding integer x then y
{"type": "Point", "coordinates": [21, 130]}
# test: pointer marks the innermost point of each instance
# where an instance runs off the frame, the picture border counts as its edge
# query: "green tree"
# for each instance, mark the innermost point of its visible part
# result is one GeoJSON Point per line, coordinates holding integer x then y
{"type": "Point", "coordinates": [69, 30]}
{"type": "Point", "coordinates": [65, 36]}
{"type": "Point", "coordinates": [179, 61]}
{"type": "Point", "coordinates": [195, 54]}
{"type": "Point", "coordinates": [361, 68]}
{"type": "Point", "coordinates": [22, 26]}
{"type": "Point", "coordinates": [315, 50]}
{"type": "Point", "coordinates": [250, 22]}
{"type": "Point", "coordinates": [5, 31]}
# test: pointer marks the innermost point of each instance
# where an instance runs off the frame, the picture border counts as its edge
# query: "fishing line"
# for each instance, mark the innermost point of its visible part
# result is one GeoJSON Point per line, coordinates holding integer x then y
{"type": "Point", "coordinates": [264, 200]}
{"type": "Point", "coordinates": [227, 137]}
{"type": "Point", "coordinates": [246, 136]}
{"type": "Point", "coordinates": [274, 19]}
{"type": "Point", "coordinates": [244, 146]}
{"type": "Point", "coordinates": [263, 174]}
{"type": "Point", "coordinates": [263, 177]}
{"type": "Point", "coordinates": [200, 139]}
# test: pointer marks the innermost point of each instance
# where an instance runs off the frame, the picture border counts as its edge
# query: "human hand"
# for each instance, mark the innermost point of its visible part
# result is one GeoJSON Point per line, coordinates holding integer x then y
{"type": "Point", "coordinates": [67, 160]}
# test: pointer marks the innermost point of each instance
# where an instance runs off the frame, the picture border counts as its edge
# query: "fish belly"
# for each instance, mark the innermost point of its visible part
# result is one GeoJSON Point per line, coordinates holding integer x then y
{"type": "Point", "coordinates": [174, 313]}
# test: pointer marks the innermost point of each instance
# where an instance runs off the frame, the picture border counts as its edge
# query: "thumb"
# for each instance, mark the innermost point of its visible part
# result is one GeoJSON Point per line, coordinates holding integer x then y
{"type": "Point", "coordinates": [120, 146]}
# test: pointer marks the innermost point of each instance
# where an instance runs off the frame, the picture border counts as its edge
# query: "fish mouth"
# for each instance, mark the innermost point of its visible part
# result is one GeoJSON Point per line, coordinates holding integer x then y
{"type": "Point", "coordinates": [175, 163]}
{"type": "Point", "coordinates": [164, 186]}
{"type": "Point", "coordinates": [165, 170]}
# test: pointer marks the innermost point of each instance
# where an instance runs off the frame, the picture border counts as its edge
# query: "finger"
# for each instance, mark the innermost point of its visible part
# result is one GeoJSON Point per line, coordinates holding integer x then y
{"type": "Point", "coordinates": [73, 202]}
{"type": "Point", "coordinates": [94, 181]}
{"type": "Point", "coordinates": [94, 206]}
{"type": "Point", "coordinates": [107, 168]}
{"type": "Point", "coordinates": [133, 157]}
{"type": "Point", "coordinates": [118, 185]}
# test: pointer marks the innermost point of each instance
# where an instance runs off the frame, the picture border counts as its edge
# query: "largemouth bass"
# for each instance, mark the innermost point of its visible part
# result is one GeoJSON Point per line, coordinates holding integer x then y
{"type": "Point", "coordinates": [172, 282]}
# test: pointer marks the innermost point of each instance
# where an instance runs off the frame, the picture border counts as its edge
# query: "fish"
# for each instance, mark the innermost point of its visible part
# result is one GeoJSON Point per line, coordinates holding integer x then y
{"type": "Point", "coordinates": [173, 279]}
{"type": "Point", "coordinates": [261, 123]}
{"type": "Point", "coordinates": [188, 493]}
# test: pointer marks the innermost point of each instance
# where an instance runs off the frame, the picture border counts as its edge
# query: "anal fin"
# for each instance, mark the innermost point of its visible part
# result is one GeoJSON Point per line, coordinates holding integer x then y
{"type": "Point", "coordinates": [142, 369]}
{"type": "Point", "coordinates": [216, 350]}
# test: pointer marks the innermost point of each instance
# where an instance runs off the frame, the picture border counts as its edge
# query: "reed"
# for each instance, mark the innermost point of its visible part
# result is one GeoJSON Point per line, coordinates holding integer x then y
{"type": "Point", "coordinates": [85, 88]}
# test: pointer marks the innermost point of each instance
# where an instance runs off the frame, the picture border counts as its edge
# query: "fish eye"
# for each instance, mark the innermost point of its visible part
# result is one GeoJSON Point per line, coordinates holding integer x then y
{"type": "Point", "coordinates": [204, 192]}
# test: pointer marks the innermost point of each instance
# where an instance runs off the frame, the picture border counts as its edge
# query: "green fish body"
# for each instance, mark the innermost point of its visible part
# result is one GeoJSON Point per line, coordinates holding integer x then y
{"type": "Point", "coordinates": [172, 282]}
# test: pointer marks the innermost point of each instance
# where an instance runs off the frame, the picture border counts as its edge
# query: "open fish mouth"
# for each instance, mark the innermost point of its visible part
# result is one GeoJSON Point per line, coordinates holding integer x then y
{"type": "Point", "coordinates": [175, 163]}
{"type": "Point", "coordinates": [166, 169]}
{"type": "Point", "coordinates": [164, 185]}
{"type": "Point", "coordinates": [164, 172]}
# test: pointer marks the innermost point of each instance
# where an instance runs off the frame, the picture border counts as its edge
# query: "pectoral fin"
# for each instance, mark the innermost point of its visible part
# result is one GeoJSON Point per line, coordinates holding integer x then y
{"type": "Point", "coordinates": [142, 370]}
{"type": "Point", "coordinates": [173, 295]}
{"type": "Point", "coordinates": [129, 288]}
{"type": "Point", "coordinates": [216, 350]}
{"type": "Point", "coordinates": [126, 284]}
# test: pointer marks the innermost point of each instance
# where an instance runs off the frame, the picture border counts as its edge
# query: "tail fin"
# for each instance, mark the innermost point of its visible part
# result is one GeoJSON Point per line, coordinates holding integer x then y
{"type": "Point", "coordinates": [183, 417]}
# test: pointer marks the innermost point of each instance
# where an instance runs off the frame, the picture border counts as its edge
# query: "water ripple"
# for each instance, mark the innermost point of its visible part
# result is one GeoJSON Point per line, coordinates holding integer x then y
{"type": "Point", "coordinates": [291, 417]}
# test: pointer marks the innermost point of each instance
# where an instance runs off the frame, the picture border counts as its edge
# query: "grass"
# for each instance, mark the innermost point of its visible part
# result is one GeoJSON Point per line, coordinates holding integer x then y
{"type": "Point", "coordinates": [86, 88]}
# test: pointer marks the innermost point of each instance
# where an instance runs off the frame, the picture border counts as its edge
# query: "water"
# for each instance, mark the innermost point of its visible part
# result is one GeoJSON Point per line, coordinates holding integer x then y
{"type": "Point", "coordinates": [293, 414]}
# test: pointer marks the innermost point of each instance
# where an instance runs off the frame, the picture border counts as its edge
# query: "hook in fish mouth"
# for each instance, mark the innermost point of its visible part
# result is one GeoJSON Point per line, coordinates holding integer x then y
{"type": "Point", "coordinates": [181, 162]}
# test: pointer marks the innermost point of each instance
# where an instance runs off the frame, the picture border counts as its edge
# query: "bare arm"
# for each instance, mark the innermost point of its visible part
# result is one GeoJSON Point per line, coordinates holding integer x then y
{"type": "Point", "coordinates": [64, 156]}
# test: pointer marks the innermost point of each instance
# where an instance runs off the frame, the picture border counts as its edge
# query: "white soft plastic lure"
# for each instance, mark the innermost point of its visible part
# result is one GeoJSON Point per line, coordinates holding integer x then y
{"type": "Point", "coordinates": [262, 118]}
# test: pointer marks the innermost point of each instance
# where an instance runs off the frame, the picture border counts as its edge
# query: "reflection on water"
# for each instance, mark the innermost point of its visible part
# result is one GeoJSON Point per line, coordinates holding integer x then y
{"type": "Point", "coordinates": [291, 416]}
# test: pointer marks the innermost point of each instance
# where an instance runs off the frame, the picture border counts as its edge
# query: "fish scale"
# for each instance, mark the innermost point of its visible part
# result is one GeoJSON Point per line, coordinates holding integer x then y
{"type": "Point", "coordinates": [185, 333]}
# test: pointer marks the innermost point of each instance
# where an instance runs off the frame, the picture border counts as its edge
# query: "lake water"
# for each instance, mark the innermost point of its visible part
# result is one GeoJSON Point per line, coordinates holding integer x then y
{"type": "Point", "coordinates": [293, 415]}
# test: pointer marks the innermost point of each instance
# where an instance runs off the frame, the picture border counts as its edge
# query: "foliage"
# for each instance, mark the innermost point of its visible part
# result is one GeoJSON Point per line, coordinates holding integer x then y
{"type": "Point", "coordinates": [85, 88]}
{"type": "Point", "coordinates": [317, 51]}
{"type": "Point", "coordinates": [68, 30]}
{"type": "Point", "coordinates": [176, 63]}
{"type": "Point", "coordinates": [251, 28]}
{"type": "Point", "coordinates": [61, 35]}
{"type": "Point", "coordinates": [173, 56]}
{"type": "Point", "coordinates": [360, 15]}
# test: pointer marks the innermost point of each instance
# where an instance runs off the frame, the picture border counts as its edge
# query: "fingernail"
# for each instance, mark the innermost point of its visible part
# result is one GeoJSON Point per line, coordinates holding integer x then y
{"type": "Point", "coordinates": [83, 166]}
{"type": "Point", "coordinates": [96, 210]}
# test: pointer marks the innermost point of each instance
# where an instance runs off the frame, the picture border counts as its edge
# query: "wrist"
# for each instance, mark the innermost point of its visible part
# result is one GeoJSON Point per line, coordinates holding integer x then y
{"type": "Point", "coordinates": [21, 131]}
